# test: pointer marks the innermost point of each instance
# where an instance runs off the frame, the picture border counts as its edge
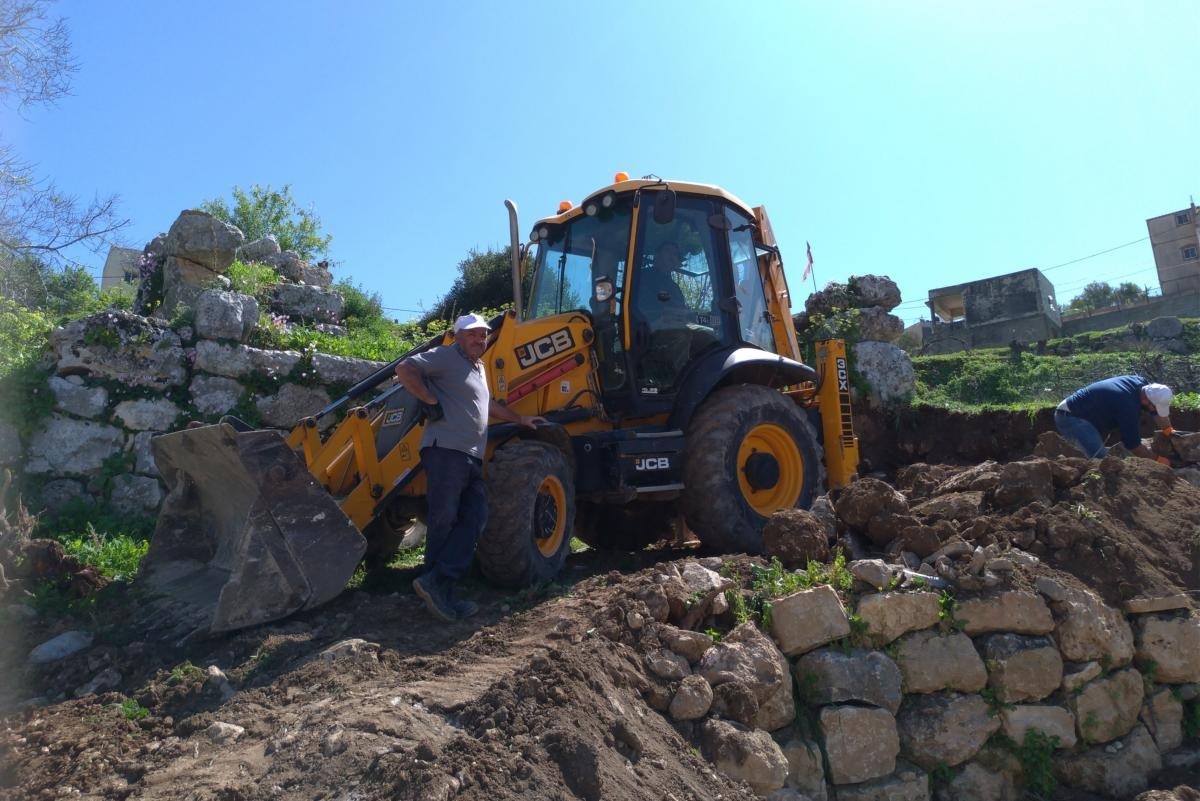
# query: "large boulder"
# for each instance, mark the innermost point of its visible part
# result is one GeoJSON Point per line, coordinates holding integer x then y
{"type": "Point", "coordinates": [750, 756]}
{"type": "Point", "coordinates": [291, 403]}
{"type": "Point", "coordinates": [225, 315]}
{"type": "Point", "coordinates": [308, 303]}
{"type": "Point", "coordinates": [931, 661]}
{"type": "Point", "coordinates": [875, 290]}
{"type": "Point", "coordinates": [1171, 645]}
{"type": "Point", "coordinates": [795, 537]}
{"type": "Point", "coordinates": [876, 325]}
{"type": "Point", "coordinates": [861, 743]}
{"type": "Point", "coordinates": [259, 250]}
{"type": "Point", "coordinates": [830, 676]}
{"type": "Point", "coordinates": [65, 446]}
{"type": "Point", "coordinates": [72, 396]}
{"type": "Point", "coordinates": [124, 348]}
{"type": "Point", "coordinates": [1108, 708]}
{"type": "Point", "coordinates": [201, 238]}
{"type": "Point", "coordinates": [887, 371]}
{"type": "Point", "coordinates": [944, 728]}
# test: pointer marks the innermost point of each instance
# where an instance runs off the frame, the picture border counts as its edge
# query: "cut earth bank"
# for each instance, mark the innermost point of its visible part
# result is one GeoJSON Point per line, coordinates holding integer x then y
{"type": "Point", "coordinates": [1066, 610]}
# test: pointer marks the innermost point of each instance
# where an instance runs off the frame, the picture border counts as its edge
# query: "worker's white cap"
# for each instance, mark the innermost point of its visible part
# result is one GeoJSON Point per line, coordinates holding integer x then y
{"type": "Point", "coordinates": [1160, 395]}
{"type": "Point", "coordinates": [469, 321]}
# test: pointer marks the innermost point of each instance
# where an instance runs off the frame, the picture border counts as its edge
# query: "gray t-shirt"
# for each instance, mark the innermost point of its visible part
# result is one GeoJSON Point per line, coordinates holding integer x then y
{"type": "Point", "coordinates": [461, 387]}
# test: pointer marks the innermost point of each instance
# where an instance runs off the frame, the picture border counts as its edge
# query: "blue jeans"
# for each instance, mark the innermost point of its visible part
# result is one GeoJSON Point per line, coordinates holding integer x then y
{"type": "Point", "coordinates": [457, 501]}
{"type": "Point", "coordinates": [1080, 433]}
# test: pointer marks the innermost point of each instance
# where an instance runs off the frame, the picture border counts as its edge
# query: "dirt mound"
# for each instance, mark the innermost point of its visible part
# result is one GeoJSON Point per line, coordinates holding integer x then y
{"type": "Point", "coordinates": [366, 699]}
{"type": "Point", "coordinates": [1126, 528]}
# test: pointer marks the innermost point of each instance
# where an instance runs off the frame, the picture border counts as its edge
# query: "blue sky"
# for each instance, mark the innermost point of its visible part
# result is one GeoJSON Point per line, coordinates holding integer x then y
{"type": "Point", "coordinates": [932, 142]}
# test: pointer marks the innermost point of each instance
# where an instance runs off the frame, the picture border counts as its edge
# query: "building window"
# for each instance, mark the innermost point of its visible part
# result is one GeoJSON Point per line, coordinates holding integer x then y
{"type": "Point", "coordinates": [1182, 218]}
{"type": "Point", "coordinates": [1190, 253]}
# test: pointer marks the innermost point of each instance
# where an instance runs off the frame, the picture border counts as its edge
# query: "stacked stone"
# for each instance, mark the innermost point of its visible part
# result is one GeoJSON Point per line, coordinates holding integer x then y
{"type": "Point", "coordinates": [930, 694]}
{"type": "Point", "coordinates": [196, 253]}
{"type": "Point", "coordinates": [103, 363]}
{"type": "Point", "coordinates": [886, 368]}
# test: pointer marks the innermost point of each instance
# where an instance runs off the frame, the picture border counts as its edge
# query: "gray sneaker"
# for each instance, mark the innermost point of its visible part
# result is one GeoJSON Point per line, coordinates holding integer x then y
{"type": "Point", "coordinates": [436, 600]}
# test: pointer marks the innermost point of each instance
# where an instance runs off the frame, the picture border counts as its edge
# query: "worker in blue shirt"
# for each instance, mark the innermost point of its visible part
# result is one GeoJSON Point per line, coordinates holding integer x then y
{"type": "Point", "coordinates": [1088, 414]}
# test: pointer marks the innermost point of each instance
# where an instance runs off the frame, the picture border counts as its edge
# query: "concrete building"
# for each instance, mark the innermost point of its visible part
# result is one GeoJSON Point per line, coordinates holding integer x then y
{"type": "Point", "coordinates": [1175, 238]}
{"type": "Point", "coordinates": [121, 267]}
{"type": "Point", "coordinates": [992, 312]}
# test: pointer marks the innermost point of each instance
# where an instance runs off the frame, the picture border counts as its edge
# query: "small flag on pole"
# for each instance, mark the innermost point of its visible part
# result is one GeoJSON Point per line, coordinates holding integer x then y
{"type": "Point", "coordinates": [808, 268]}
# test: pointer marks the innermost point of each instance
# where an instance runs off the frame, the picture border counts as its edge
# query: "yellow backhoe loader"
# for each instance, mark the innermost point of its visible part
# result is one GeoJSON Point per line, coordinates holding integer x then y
{"type": "Point", "coordinates": [657, 339]}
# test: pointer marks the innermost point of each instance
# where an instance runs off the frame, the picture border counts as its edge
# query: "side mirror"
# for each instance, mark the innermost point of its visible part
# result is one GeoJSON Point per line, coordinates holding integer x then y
{"type": "Point", "coordinates": [719, 221]}
{"type": "Point", "coordinates": [664, 206]}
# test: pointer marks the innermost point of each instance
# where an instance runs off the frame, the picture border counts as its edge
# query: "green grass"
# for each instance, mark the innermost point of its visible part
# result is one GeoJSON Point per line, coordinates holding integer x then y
{"type": "Point", "coordinates": [407, 558]}
{"type": "Point", "coordinates": [995, 379]}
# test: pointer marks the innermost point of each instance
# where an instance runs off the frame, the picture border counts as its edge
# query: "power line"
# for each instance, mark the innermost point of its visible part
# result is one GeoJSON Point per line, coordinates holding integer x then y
{"type": "Point", "coordinates": [1093, 255]}
{"type": "Point", "coordinates": [917, 303]}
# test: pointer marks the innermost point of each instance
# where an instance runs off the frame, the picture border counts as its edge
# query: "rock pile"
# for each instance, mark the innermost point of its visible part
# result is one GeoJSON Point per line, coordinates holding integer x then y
{"type": "Point", "coordinates": [193, 257]}
{"type": "Point", "coordinates": [864, 304]}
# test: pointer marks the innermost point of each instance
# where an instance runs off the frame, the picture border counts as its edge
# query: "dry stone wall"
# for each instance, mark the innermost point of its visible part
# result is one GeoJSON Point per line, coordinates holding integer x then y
{"type": "Point", "coordinates": [905, 694]}
{"type": "Point", "coordinates": [118, 379]}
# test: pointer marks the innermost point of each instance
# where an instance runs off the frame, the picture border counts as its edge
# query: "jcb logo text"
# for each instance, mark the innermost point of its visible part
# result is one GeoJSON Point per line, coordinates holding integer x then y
{"type": "Point", "coordinates": [543, 348]}
{"type": "Point", "coordinates": [652, 463]}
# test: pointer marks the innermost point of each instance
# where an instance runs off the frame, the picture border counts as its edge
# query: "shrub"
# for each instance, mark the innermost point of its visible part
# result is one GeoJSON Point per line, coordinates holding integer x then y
{"type": "Point", "coordinates": [115, 556]}
{"type": "Point", "coordinates": [251, 279]}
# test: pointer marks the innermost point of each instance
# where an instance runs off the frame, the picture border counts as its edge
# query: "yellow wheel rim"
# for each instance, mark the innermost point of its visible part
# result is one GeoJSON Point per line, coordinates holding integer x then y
{"type": "Point", "coordinates": [550, 516]}
{"type": "Point", "coordinates": [770, 469]}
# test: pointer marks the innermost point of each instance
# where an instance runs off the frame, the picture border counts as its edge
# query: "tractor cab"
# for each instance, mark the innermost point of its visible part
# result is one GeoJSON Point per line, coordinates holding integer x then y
{"type": "Point", "coordinates": [667, 271]}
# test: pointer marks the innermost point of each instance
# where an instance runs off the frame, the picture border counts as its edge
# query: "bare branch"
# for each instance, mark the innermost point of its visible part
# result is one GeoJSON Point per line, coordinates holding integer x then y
{"type": "Point", "coordinates": [36, 68]}
{"type": "Point", "coordinates": [35, 54]}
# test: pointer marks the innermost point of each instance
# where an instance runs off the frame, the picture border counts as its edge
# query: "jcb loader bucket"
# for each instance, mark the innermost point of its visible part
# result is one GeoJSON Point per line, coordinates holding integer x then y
{"type": "Point", "coordinates": [245, 534]}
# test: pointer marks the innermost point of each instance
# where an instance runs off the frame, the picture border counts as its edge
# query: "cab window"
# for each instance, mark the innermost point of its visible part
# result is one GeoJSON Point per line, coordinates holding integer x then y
{"type": "Point", "coordinates": [754, 319]}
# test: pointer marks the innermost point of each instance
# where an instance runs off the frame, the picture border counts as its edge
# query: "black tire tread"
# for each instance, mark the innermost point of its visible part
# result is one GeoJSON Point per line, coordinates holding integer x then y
{"type": "Point", "coordinates": [712, 502]}
{"type": "Point", "coordinates": [506, 553]}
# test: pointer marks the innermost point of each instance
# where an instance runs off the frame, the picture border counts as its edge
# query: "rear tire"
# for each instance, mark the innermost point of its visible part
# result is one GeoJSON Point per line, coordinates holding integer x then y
{"type": "Point", "coordinates": [750, 452]}
{"type": "Point", "coordinates": [531, 513]}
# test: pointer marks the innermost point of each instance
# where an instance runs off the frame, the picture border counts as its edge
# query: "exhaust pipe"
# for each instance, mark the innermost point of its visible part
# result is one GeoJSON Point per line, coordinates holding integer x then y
{"type": "Point", "coordinates": [514, 250]}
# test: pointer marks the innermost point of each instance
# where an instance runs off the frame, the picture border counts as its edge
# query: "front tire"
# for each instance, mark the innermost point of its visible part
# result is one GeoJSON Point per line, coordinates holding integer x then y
{"type": "Point", "coordinates": [531, 511]}
{"type": "Point", "coordinates": [750, 452]}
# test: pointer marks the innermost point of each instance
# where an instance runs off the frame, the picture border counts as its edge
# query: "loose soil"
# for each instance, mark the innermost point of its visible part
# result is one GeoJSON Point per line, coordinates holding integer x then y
{"type": "Point", "coordinates": [542, 695]}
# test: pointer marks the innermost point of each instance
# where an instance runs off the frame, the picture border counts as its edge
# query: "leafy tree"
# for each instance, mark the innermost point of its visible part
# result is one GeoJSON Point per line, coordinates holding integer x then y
{"type": "Point", "coordinates": [1096, 295]}
{"type": "Point", "coordinates": [360, 306]}
{"type": "Point", "coordinates": [22, 279]}
{"type": "Point", "coordinates": [36, 218]}
{"type": "Point", "coordinates": [484, 282]}
{"type": "Point", "coordinates": [264, 211]}
{"type": "Point", "coordinates": [62, 294]}
{"type": "Point", "coordinates": [1128, 292]}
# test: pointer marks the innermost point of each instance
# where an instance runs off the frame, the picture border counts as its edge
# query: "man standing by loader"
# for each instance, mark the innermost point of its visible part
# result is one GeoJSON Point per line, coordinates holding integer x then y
{"type": "Point", "coordinates": [450, 383]}
{"type": "Point", "coordinates": [1088, 414]}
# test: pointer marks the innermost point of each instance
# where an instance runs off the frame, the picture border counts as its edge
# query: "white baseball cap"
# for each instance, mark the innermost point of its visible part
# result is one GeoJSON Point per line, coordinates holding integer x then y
{"type": "Point", "coordinates": [469, 321]}
{"type": "Point", "coordinates": [1160, 395]}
